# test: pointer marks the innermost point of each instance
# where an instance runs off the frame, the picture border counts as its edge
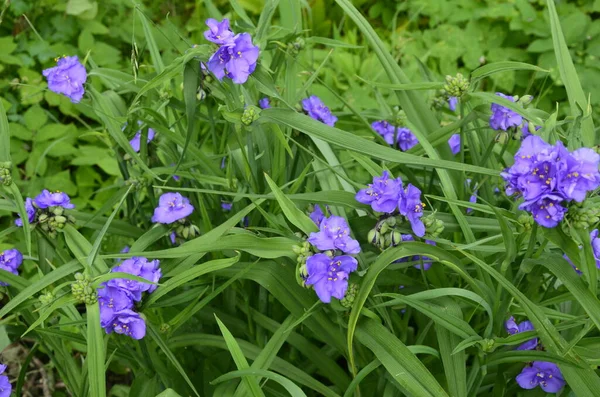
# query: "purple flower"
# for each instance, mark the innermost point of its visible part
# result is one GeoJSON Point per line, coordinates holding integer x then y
{"type": "Point", "coordinates": [218, 32]}
{"type": "Point", "coordinates": [543, 374]}
{"type": "Point", "coordinates": [383, 194]}
{"type": "Point", "coordinates": [111, 301]}
{"type": "Point", "coordinates": [329, 276]}
{"type": "Point", "coordinates": [125, 250]}
{"type": "Point", "coordinates": [236, 59]}
{"type": "Point", "coordinates": [547, 212]}
{"type": "Point", "coordinates": [127, 322]}
{"type": "Point", "coordinates": [59, 199]}
{"type": "Point", "coordinates": [5, 386]}
{"type": "Point", "coordinates": [581, 174]}
{"type": "Point", "coordinates": [136, 141]}
{"type": "Point", "coordinates": [411, 206]}
{"type": "Point", "coordinates": [334, 234]}
{"type": "Point", "coordinates": [67, 78]}
{"type": "Point", "coordinates": [10, 260]}
{"type": "Point", "coordinates": [473, 198]}
{"type": "Point", "coordinates": [406, 139]}
{"type": "Point", "coordinates": [317, 215]}
{"type": "Point", "coordinates": [454, 143]}
{"type": "Point", "coordinates": [226, 206]}
{"type": "Point", "coordinates": [30, 210]}
{"type": "Point", "coordinates": [318, 111]}
{"type": "Point", "coordinates": [513, 328]}
{"type": "Point", "coordinates": [171, 207]}
{"type": "Point", "coordinates": [452, 102]}
{"type": "Point", "coordinates": [595, 243]}
{"type": "Point", "coordinates": [503, 118]}
{"type": "Point", "coordinates": [173, 237]}
{"type": "Point", "coordinates": [264, 103]}
{"type": "Point", "coordinates": [141, 267]}
{"type": "Point", "coordinates": [386, 130]}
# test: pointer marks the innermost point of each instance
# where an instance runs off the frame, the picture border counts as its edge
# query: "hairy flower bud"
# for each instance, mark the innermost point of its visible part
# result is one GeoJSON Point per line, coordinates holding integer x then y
{"type": "Point", "coordinates": [5, 174]}
{"type": "Point", "coordinates": [250, 115]}
{"type": "Point", "coordinates": [350, 296]}
{"type": "Point", "coordinates": [525, 223]}
{"type": "Point", "coordinates": [433, 226]}
{"type": "Point", "coordinates": [584, 215]}
{"type": "Point", "coordinates": [456, 86]}
{"type": "Point", "coordinates": [82, 289]}
{"type": "Point", "coordinates": [46, 298]}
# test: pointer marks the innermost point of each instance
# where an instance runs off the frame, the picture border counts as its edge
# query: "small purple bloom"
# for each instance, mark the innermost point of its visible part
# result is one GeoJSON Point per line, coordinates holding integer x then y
{"type": "Point", "coordinates": [30, 210]}
{"type": "Point", "coordinates": [59, 199]}
{"type": "Point", "coordinates": [543, 374]}
{"type": "Point", "coordinates": [10, 260]}
{"type": "Point", "coordinates": [111, 301]}
{"type": "Point", "coordinates": [264, 103]}
{"type": "Point", "coordinates": [473, 198]}
{"type": "Point", "coordinates": [513, 328]}
{"type": "Point", "coordinates": [318, 111]}
{"type": "Point", "coordinates": [317, 215]}
{"type": "Point", "coordinates": [137, 139]}
{"type": "Point", "coordinates": [595, 243]}
{"type": "Point", "coordinates": [125, 250]}
{"type": "Point", "coordinates": [386, 130]}
{"type": "Point", "coordinates": [226, 206]}
{"type": "Point", "coordinates": [127, 322]}
{"type": "Point", "coordinates": [329, 276]}
{"type": "Point", "coordinates": [454, 143]}
{"type": "Point", "coordinates": [67, 78]}
{"type": "Point", "coordinates": [581, 174]}
{"type": "Point", "coordinates": [171, 207]}
{"type": "Point", "coordinates": [141, 267]}
{"type": "Point", "coordinates": [406, 139]}
{"type": "Point", "coordinates": [218, 32]}
{"type": "Point", "coordinates": [503, 118]}
{"type": "Point", "coordinates": [383, 194]}
{"type": "Point", "coordinates": [334, 234]}
{"type": "Point", "coordinates": [411, 206]}
{"type": "Point", "coordinates": [547, 212]}
{"type": "Point", "coordinates": [452, 102]}
{"type": "Point", "coordinates": [173, 237]}
{"type": "Point", "coordinates": [236, 59]}
{"type": "Point", "coordinates": [5, 386]}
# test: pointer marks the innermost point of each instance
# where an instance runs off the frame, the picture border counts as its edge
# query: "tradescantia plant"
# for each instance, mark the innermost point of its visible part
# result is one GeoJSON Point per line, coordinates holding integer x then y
{"type": "Point", "coordinates": [262, 241]}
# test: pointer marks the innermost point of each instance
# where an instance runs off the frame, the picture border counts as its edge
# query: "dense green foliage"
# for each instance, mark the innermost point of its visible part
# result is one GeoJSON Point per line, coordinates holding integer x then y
{"type": "Point", "coordinates": [231, 316]}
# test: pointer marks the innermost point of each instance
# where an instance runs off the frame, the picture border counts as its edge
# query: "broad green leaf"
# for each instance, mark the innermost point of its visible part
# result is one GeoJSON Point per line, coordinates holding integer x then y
{"type": "Point", "coordinates": [95, 352]}
{"type": "Point", "coordinates": [292, 213]}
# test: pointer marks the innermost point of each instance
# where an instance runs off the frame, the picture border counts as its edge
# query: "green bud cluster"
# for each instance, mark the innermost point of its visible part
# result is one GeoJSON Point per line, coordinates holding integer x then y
{"type": "Point", "coordinates": [433, 226]}
{"type": "Point", "coordinates": [525, 223]}
{"type": "Point", "coordinates": [5, 174]}
{"type": "Point", "coordinates": [487, 345]}
{"type": "Point", "coordinates": [46, 298]}
{"type": "Point", "coordinates": [384, 234]}
{"type": "Point", "coordinates": [165, 328]}
{"type": "Point", "coordinates": [440, 100]}
{"type": "Point", "coordinates": [250, 115]}
{"type": "Point", "coordinates": [54, 219]}
{"type": "Point", "coordinates": [138, 182]}
{"type": "Point", "coordinates": [456, 86]}
{"type": "Point", "coordinates": [303, 251]}
{"type": "Point", "coordinates": [295, 47]}
{"type": "Point", "coordinates": [351, 292]}
{"type": "Point", "coordinates": [83, 290]}
{"type": "Point", "coordinates": [187, 231]}
{"type": "Point", "coordinates": [584, 215]}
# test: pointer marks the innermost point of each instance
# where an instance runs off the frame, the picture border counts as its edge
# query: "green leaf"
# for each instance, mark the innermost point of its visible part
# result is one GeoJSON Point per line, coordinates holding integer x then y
{"type": "Point", "coordinates": [95, 352]}
{"type": "Point", "coordinates": [292, 213]}
{"type": "Point", "coordinates": [287, 384]}
{"type": "Point", "coordinates": [157, 61]}
{"type": "Point", "coordinates": [81, 249]}
{"type": "Point", "coordinates": [4, 136]}
{"type": "Point", "coordinates": [504, 66]}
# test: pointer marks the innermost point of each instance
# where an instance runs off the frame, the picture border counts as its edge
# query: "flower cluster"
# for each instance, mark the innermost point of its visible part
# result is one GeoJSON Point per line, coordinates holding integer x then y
{"type": "Point", "coordinates": [327, 272]}
{"type": "Point", "coordinates": [513, 328]}
{"type": "Point", "coordinates": [10, 260]}
{"type": "Point", "coordinates": [543, 374]}
{"type": "Point", "coordinates": [547, 175]}
{"type": "Point", "coordinates": [316, 109]}
{"type": "Point", "coordinates": [503, 118]}
{"type": "Point", "coordinates": [67, 78]}
{"type": "Point", "coordinates": [47, 209]}
{"type": "Point", "coordinates": [401, 136]}
{"type": "Point", "coordinates": [5, 386]}
{"type": "Point", "coordinates": [117, 297]}
{"type": "Point", "coordinates": [236, 57]}
{"type": "Point", "coordinates": [387, 195]}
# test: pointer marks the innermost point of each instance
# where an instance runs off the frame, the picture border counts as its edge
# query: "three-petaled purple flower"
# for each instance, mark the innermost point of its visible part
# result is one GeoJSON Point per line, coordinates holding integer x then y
{"type": "Point", "coordinates": [10, 260]}
{"type": "Point", "coordinates": [513, 328]}
{"type": "Point", "coordinates": [111, 301]}
{"type": "Point", "coordinates": [57, 199]}
{"type": "Point", "coordinates": [383, 194]}
{"type": "Point", "coordinates": [329, 276]}
{"type": "Point", "coordinates": [172, 207]}
{"type": "Point", "coordinates": [235, 59]}
{"type": "Point", "coordinates": [67, 78]}
{"type": "Point", "coordinates": [317, 215]}
{"type": "Point", "coordinates": [264, 103]}
{"type": "Point", "coordinates": [411, 206]}
{"type": "Point", "coordinates": [400, 135]}
{"type": "Point", "coordinates": [318, 111]}
{"type": "Point", "coordinates": [452, 102]}
{"type": "Point", "coordinates": [334, 233]}
{"type": "Point", "coordinates": [218, 32]}
{"type": "Point", "coordinates": [30, 210]}
{"type": "Point", "coordinates": [503, 118]}
{"type": "Point", "coordinates": [5, 386]}
{"type": "Point", "coordinates": [136, 141]}
{"type": "Point", "coordinates": [547, 175]}
{"type": "Point", "coordinates": [454, 143]}
{"type": "Point", "coordinates": [543, 374]}
{"type": "Point", "coordinates": [141, 267]}
{"type": "Point", "coordinates": [127, 322]}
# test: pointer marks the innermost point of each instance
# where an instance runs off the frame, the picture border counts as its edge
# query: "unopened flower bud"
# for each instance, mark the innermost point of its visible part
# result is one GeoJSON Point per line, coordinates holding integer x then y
{"type": "Point", "coordinates": [47, 298]}
{"type": "Point", "coordinates": [5, 174]}
{"type": "Point", "coordinates": [350, 296]}
{"type": "Point", "coordinates": [164, 328]}
{"type": "Point", "coordinates": [525, 223]}
{"type": "Point", "coordinates": [525, 100]}
{"type": "Point", "coordinates": [250, 115]}
{"type": "Point", "coordinates": [396, 238]}
{"type": "Point", "coordinates": [456, 86]}
{"type": "Point", "coordinates": [584, 215]}
{"type": "Point", "coordinates": [82, 289]}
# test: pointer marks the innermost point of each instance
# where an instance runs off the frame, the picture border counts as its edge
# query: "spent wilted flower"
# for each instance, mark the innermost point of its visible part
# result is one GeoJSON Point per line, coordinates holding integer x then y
{"type": "Point", "coordinates": [513, 328]}
{"type": "Point", "coordinates": [235, 59]}
{"type": "Point", "coordinates": [411, 206]}
{"type": "Point", "coordinates": [454, 143]}
{"type": "Point", "coordinates": [334, 234]}
{"type": "Point", "coordinates": [383, 194]}
{"type": "Point", "coordinates": [10, 260]}
{"type": "Point", "coordinates": [171, 208]}
{"type": "Point", "coordinates": [127, 322]}
{"type": "Point", "coordinates": [67, 78]}
{"type": "Point", "coordinates": [544, 374]}
{"type": "Point", "coordinates": [503, 118]}
{"type": "Point", "coordinates": [264, 103]}
{"type": "Point", "coordinates": [141, 267]}
{"type": "Point", "coordinates": [218, 32]}
{"type": "Point", "coordinates": [316, 109]}
{"type": "Point", "coordinates": [329, 276]}
{"type": "Point", "coordinates": [136, 141]}
{"type": "Point", "coordinates": [30, 210]}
